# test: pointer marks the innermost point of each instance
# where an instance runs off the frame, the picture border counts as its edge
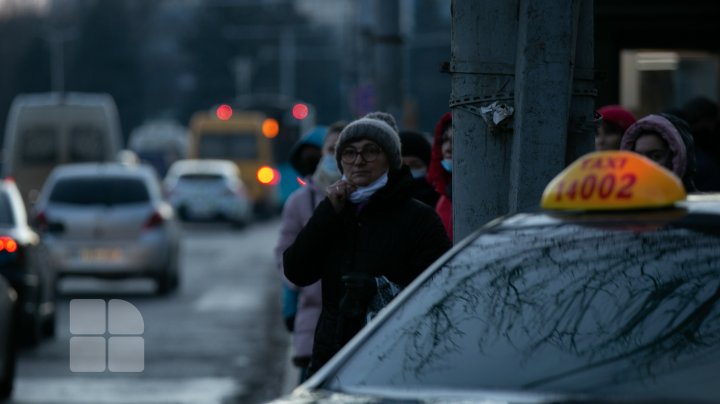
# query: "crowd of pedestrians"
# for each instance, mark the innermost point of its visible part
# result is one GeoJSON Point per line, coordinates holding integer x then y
{"type": "Point", "coordinates": [684, 140]}
{"type": "Point", "coordinates": [376, 210]}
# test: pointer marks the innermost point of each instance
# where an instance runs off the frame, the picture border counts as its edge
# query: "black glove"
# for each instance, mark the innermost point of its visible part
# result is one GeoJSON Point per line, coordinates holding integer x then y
{"type": "Point", "coordinates": [359, 286]}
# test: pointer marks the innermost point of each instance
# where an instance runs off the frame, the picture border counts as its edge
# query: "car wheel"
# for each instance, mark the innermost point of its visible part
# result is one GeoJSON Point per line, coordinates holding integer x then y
{"type": "Point", "coordinates": [183, 213]}
{"type": "Point", "coordinates": [169, 280]}
{"type": "Point", "coordinates": [238, 224]}
{"type": "Point", "coordinates": [33, 331]}
{"type": "Point", "coordinates": [48, 328]}
{"type": "Point", "coordinates": [166, 284]}
{"type": "Point", "coordinates": [32, 327]}
{"type": "Point", "coordinates": [7, 369]}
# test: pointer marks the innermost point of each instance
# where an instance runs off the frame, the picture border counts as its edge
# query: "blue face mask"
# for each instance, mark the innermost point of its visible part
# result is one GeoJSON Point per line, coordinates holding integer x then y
{"type": "Point", "coordinates": [418, 173]}
{"type": "Point", "coordinates": [447, 165]}
{"type": "Point", "coordinates": [329, 165]}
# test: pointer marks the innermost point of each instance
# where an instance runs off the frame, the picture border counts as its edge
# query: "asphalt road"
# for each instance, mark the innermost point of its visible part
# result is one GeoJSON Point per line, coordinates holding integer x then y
{"type": "Point", "coordinates": [219, 339]}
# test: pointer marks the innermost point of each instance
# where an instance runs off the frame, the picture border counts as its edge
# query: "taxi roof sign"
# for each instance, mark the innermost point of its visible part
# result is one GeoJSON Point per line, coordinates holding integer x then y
{"type": "Point", "coordinates": [612, 180]}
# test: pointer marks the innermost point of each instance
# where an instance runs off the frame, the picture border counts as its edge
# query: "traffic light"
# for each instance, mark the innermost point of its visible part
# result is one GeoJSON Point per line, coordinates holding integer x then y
{"type": "Point", "coordinates": [224, 112]}
{"type": "Point", "coordinates": [270, 128]}
{"type": "Point", "coordinates": [300, 111]}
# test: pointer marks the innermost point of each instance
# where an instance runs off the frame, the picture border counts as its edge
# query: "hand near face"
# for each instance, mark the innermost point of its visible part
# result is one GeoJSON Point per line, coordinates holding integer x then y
{"type": "Point", "coordinates": [338, 194]}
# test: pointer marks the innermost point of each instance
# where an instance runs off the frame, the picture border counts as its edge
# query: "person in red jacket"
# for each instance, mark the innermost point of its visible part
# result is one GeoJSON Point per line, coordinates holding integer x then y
{"type": "Point", "coordinates": [440, 170]}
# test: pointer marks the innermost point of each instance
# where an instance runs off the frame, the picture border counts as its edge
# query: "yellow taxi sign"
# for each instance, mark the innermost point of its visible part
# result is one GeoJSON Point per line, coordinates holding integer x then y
{"type": "Point", "coordinates": [612, 180]}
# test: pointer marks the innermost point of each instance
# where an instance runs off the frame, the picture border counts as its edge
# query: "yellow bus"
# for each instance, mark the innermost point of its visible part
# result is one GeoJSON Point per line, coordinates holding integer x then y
{"type": "Point", "coordinates": [244, 138]}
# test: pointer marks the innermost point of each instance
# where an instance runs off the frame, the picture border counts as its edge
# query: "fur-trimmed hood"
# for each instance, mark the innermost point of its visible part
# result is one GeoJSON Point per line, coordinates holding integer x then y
{"type": "Point", "coordinates": [676, 133]}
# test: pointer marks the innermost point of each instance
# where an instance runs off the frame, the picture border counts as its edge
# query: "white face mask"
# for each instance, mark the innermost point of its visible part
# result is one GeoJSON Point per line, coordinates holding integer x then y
{"type": "Point", "coordinates": [329, 165]}
{"type": "Point", "coordinates": [420, 173]}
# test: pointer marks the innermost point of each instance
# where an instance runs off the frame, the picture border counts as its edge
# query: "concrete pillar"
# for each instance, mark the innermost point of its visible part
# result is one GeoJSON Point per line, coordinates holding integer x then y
{"type": "Point", "coordinates": [522, 100]}
{"type": "Point", "coordinates": [483, 39]}
{"type": "Point", "coordinates": [543, 73]}
{"type": "Point", "coordinates": [581, 133]}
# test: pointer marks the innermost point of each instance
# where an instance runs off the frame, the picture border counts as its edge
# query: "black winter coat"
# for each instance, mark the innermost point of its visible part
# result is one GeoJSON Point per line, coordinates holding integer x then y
{"type": "Point", "coordinates": [393, 235]}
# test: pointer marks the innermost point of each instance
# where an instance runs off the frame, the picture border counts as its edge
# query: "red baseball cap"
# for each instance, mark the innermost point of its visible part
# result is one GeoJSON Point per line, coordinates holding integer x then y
{"type": "Point", "coordinates": [617, 115]}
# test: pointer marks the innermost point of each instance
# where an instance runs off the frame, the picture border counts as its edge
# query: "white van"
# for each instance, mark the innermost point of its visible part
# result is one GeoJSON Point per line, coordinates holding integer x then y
{"type": "Point", "coordinates": [48, 129]}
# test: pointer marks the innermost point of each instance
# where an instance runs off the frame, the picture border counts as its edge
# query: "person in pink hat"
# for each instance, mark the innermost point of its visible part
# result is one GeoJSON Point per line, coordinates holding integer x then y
{"type": "Point", "coordinates": [615, 121]}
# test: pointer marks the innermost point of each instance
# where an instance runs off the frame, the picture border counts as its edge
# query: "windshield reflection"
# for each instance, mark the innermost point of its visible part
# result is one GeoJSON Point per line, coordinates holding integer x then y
{"type": "Point", "coordinates": [569, 309]}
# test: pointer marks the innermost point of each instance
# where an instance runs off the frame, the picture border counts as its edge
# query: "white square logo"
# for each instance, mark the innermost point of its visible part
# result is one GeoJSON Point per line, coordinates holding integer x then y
{"type": "Point", "coordinates": [91, 350]}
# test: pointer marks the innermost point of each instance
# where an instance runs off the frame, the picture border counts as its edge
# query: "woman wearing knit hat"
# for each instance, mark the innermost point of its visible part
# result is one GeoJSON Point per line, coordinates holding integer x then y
{"type": "Point", "coordinates": [367, 239]}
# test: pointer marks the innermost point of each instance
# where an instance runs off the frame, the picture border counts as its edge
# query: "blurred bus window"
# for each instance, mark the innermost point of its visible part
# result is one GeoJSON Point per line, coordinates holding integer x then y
{"type": "Point", "coordinates": [223, 146]}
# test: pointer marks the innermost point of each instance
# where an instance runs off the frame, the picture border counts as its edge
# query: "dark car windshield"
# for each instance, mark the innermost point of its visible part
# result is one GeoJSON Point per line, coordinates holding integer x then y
{"type": "Point", "coordinates": [561, 309]}
{"type": "Point", "coordinates": [100, 191]}
{"type": "Point", "coordinates": [202, 177]}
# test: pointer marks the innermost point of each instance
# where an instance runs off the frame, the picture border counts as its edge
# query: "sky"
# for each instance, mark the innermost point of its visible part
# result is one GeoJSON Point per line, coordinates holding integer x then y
{"type": "Point", "coordinates": [26, 3]}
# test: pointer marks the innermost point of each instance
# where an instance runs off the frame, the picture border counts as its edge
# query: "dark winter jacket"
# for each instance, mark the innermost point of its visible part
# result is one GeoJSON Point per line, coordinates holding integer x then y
{"type": "Point", "coordinates": [393, 235]}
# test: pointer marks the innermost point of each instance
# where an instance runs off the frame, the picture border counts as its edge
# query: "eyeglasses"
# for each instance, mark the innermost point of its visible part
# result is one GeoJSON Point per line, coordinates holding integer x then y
{"type": "Point", "coordinates": [369, 154]}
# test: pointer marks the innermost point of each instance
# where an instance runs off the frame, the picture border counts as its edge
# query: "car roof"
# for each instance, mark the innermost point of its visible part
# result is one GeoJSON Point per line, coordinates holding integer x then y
{"type": "Point", "coordinates": [202, 166]}
{"type": "Point", "coordinates": [64, 99]}
{"type": "Point", "coordinates": [102, 169]}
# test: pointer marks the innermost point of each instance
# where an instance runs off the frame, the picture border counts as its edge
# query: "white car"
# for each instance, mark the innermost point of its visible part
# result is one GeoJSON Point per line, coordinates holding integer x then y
{"type": "Point", "coordinates": [208, 190]}
{"type": "Point", "coordinates": [109, 220]}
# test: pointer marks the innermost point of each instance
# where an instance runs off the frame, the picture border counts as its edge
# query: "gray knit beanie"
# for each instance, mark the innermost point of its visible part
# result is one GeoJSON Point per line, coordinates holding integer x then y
{"type": "Point", "coordinates": [381, 128]}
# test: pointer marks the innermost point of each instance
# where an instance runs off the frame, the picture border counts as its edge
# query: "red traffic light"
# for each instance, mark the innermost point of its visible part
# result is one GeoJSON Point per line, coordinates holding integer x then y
{"type": "Point", "coordinates": [300, 111]}
{"type": "Point", "coordinates": [224, 112]}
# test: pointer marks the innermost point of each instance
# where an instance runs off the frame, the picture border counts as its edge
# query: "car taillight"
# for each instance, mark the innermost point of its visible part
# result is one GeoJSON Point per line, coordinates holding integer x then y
{"type": "Point", "coordinates": [8, 244]}
{"type": "Point", "coordinates": [154, 220]}
{"type": "Point", "coordinates": [10, 252]}
{"type": "Point", "coordinates": [268, 175]}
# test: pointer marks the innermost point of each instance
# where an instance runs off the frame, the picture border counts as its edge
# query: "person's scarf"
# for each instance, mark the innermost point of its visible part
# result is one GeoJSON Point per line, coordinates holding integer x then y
{"type": "Point", "coordinates": [363, 194]}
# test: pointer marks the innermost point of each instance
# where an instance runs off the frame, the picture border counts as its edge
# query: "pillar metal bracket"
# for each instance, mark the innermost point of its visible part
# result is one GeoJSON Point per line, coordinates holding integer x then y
{"type": "Point", "coordinates": [477, 99]}
{"type": "Point", "coordinates": [497, 115]}
{"type": "Point", "coordinates": [480, 68]}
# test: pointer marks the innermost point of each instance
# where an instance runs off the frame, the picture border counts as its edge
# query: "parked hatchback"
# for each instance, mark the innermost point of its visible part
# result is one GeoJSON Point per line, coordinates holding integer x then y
{"type": "Point", "coordinates": [24, 263]}
{"type": "Point", "coordinates": [208, 190]}
{"type": "Point", "coordinates": [109, 220]}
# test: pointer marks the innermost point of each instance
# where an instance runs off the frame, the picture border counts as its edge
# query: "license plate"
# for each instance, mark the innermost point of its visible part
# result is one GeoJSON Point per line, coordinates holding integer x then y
{"type": "Point", "coordinates": [101, 254]}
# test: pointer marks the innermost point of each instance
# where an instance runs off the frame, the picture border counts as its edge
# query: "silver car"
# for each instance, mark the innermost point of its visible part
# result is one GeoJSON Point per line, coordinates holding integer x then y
{"type": "Point", "coordinates": [208, 190]}
{"type": "Point", "coordinates": [109, 220]}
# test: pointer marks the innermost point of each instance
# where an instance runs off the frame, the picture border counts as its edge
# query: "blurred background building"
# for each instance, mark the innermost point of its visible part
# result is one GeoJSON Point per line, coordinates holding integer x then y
{"type": "Point", "coordinates": [166, 59]}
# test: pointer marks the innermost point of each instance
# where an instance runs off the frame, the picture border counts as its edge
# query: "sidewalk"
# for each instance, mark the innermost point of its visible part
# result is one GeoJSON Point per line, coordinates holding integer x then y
{"type": "Point", "coordinates": [291, 375]}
